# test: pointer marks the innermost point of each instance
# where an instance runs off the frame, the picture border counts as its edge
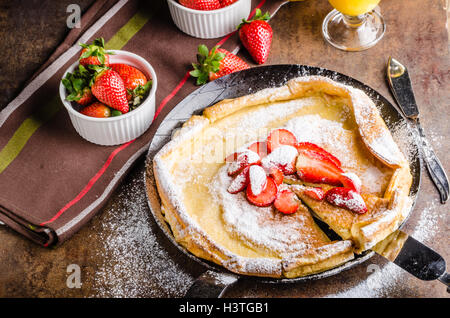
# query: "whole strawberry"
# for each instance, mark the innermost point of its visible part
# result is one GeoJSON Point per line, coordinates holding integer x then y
{"type": "Point", "coordinates": [131, 76]}
{"type": "Point", "coordinates": [135, 82]}
{"type": "Point", "coordinates": [204, 5]}
{"type": "Point", "coordinates": [256, 36]}
{"type": "Point", "coordinates": [109, 89]}
{"type": "Point", "coordinates": [86, 97]}
{"type": "Point", "coordinates": [77, 86]}
{"type": "Point", "coordinates": [96, 109]}
{"type": "Point", "coordinates": [94, 54]}
{"type": "Point", "coordinates": [217, 63]}
{"type": "Point", "coordinates": [225, 3]}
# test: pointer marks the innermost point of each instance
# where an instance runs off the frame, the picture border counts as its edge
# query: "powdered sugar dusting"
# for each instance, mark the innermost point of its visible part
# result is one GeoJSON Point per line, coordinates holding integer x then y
{"type": "Point", "coordinates": [282, 237]}
{"type": "Point", "coordinates": [428, 221]}
{"type": "Point", "coordinates": [243, 159]}
{"type": "Point", "coordinates": [354, 180]}
{"type": "Point", "coordinates": [282, 157]}
{"type": "Point", "coordinates": [264, 116]}
{"type": "Point", "coordinates": [135, 263]}
{"type": "Point", "coordinates": [405, 139]}
{"type": "Point", "coordinates": [246, 223]}
{"type": "Point", "coordinates": [385, 145]}
{"type": "Point", "coordinates": [337, 140]}
{"type": "Point", "coordinates": [260, 227]}
{"type": "Point", "coordinates": [258, 179]}
{"type": "Point", "coordinates": [383, 280]}
{"type": "Point", "coordinates": [372, 176]}
{"type": "Point", "coordinates": [352, 200]}
{"type": "Point", "coordinates": [325, 133]}
{"type": "Point", "coordinates": [239, 182]}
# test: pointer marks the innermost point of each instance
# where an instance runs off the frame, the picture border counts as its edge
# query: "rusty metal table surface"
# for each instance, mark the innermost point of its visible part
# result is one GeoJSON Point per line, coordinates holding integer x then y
{"type": "Point", "coordinates": [122, 253]}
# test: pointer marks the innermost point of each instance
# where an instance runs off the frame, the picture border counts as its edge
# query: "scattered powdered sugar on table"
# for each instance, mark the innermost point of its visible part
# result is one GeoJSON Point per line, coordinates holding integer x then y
{"type": "Point", "coordinates": [135, 263]}
{"type": "Point", "coordinates": [405, 138]}
{"type": "Point", "coordinates": [381, 281]}
{"type": "Point", "coordinates": [427, 224]}
{"type": "Point", "coordinates": [434, 138]}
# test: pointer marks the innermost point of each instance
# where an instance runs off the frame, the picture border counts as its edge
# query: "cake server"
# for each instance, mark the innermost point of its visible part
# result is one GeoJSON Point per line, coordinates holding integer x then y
{"type": "Point", "coordinates": [414, 257]}
{"type": "Point", "coordinates": [401, 87]}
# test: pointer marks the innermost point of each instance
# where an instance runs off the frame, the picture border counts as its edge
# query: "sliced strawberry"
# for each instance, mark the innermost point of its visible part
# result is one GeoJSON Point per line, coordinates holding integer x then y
{"type": "Point", "coordinates": [283, 158]}
{"type": "Point", "coordinates": [310, 146]}
{"type": "Point", "coordinates": [258, 179]}
{"type": "Point", "coordinates": [276, 174]}
{"type": "Point", "coordinates": [266, 197]}
{"type": "Point", "coordinates": [346, 198]}
{"type": "Point", "coordinates": [259, 147]}
{"type": "Point", "coordinates": [315, 193]}
{"type": "Point", "coordinates": [243, 159]}
{"type": "Point", "coordinates": [286, 202]}
{"type": "Point", "coordinates": [280, 137]}
{"type": "Point", "coordinates": [239, 182]}
{"type": "Point", "coordinates": [314, 167]}
{"type": "Point", "coordinates": [352, 181]}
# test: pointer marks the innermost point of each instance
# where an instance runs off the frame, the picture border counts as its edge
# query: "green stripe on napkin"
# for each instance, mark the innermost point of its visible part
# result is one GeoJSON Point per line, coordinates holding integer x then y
{"type": "Point", "coordinates": [21, 136]}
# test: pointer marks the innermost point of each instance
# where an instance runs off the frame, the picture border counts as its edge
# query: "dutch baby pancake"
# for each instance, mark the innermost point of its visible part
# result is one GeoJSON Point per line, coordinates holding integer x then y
{"type": "Point", "coordinates": [242, 184]}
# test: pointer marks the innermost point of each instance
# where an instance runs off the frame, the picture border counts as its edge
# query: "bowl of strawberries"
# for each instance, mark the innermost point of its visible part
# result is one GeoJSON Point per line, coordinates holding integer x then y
{"type": "Point", "coordinates": [109, 95]}
{"type": "Point", "coordinates": [207, 19]}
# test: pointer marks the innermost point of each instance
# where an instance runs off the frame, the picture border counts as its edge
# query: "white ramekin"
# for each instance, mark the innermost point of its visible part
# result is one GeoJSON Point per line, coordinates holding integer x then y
{"type": "Point", "coordinates": [121, 129]}
{"type": "Point", "coordinates": [209, 24]}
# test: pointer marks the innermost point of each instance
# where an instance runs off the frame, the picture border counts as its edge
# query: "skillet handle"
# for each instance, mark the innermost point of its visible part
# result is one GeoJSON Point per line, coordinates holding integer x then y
{"type": "Point", "coordinates": [211, 284]}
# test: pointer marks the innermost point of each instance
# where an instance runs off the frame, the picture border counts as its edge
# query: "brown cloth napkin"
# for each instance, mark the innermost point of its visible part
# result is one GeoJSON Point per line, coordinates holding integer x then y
{"type": "Point", "coordinates": [51, 180]}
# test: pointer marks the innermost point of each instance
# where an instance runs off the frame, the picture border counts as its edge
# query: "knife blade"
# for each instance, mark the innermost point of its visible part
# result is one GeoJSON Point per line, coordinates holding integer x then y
{"type": "Point", "coordinates": [401, 87]}
{"type": "Point", "coordinates": [414, 257]}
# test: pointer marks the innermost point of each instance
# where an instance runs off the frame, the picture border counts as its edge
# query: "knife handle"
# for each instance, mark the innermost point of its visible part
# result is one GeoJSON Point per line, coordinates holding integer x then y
{"type": "Point", "coordinates": [434, 166]}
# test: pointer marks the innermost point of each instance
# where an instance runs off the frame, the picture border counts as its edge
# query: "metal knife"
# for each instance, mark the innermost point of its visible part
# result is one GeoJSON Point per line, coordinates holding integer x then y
{"type": "Point", "coordinates": [401, 88]}
{"type": "Point", "coordinates": [414, 257]}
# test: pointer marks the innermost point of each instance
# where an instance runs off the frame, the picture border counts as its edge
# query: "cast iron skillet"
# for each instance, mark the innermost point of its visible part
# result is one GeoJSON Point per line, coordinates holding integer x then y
{"type": "Point", "coordinates": [216, 279]}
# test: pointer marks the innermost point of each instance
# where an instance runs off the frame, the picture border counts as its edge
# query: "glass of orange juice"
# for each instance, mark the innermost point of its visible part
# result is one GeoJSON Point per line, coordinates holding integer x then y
{"type": "Point", "coordinates": [353, 25]}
